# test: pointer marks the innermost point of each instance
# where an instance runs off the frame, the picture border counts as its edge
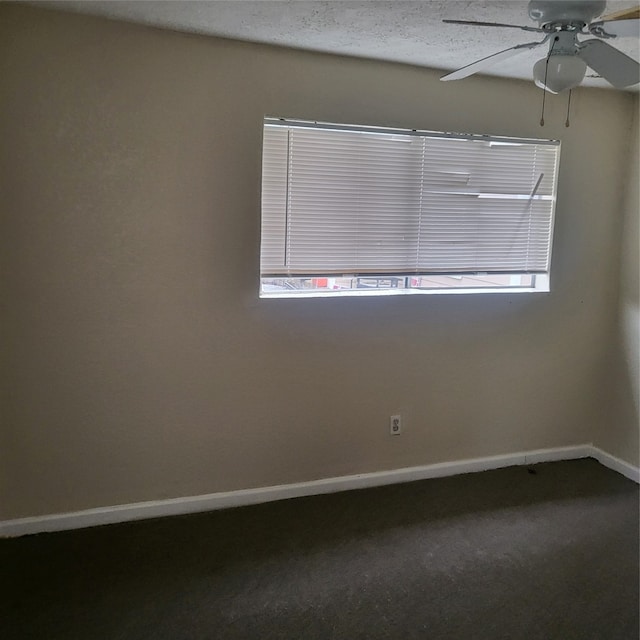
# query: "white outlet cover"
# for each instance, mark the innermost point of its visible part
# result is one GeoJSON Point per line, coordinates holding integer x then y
{"type": "Point", "coordinates": [395, 425]}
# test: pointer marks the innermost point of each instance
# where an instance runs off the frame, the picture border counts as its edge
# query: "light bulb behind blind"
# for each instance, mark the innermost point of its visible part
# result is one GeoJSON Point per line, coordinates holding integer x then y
{"type": "Point", "coordinates": [562, 72]}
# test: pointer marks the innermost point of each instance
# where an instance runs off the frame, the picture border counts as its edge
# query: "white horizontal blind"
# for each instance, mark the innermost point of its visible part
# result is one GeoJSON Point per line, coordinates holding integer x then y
{"type": "Point", "coordinates": [348, 201]}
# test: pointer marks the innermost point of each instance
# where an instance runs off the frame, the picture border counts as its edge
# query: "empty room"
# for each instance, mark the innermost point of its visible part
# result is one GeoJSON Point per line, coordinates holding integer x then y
{"type": "Point", "coordinates": [320, 320]}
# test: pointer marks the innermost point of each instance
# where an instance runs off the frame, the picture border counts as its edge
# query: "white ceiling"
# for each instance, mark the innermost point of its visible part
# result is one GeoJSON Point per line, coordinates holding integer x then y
{"type": "Point", "coordinates": [401, 31]}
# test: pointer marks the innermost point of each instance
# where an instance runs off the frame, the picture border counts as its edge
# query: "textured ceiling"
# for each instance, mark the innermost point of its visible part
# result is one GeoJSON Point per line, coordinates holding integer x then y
{"type": "Point", "coordinates": [401, 31]}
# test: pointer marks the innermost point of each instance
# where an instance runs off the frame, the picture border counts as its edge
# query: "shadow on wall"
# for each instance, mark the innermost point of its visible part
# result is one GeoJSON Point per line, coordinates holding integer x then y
{"type": "Point", "coordinates": [630, 324]}
{"type": "Point", "coordinates": [621, 426]}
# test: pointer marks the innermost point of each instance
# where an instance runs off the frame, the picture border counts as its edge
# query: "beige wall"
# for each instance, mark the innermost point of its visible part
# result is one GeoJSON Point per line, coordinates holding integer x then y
{"type": "Point", "coordinates": [138, 361]}
{"type": "Point", "coordinates": [620, 433]}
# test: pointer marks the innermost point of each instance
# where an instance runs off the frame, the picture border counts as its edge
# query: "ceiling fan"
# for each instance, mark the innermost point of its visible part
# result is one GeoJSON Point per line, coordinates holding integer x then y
{"type": "Point", "coordinates": [566, 62]}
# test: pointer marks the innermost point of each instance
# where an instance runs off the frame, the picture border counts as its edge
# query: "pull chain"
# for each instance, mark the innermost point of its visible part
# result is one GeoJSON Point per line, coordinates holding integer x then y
{"type": "Point", "coordinates": [567, 123]}
{"type": "Point", "coordinates": [544, 91]}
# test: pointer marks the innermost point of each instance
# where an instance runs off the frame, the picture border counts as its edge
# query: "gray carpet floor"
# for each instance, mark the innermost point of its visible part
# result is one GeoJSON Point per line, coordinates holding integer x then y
{"type": "Point", "coordinates": [546, 552]}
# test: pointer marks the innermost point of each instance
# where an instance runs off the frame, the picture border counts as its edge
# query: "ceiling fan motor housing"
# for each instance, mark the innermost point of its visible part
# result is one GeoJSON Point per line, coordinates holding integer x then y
{"type": "Point", "coordinates": [549, 12]}
{"type": "Point", "coordinates": [563, 42]}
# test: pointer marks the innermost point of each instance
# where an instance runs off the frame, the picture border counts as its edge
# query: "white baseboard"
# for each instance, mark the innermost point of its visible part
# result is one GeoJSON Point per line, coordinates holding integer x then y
{"type": "Point", "coordinates": [223, 500]}
{"type": "Point", "coordinates": [622, 467]}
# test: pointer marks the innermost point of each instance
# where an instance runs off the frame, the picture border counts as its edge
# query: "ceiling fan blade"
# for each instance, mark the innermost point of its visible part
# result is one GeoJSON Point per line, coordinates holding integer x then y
{"type": "Point", "coordinates": [614, 66]}
{"type": "Point", "coordinates": [485, 63]}
{"type": "Point", "coordinates": [493, 24]}
{"type": "Point", "coordinates": [623, 14]}
{"type": "Point", "coordinates": [621, 28]}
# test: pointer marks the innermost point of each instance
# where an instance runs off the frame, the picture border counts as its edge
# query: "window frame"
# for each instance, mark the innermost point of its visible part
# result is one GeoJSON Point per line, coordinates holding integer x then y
{"type": "Point", "coordinates": [540, 281]}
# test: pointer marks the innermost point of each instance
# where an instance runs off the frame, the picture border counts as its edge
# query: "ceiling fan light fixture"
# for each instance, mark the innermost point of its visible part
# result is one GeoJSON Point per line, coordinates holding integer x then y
{"type": "Point", "coordinates": [562, 72]}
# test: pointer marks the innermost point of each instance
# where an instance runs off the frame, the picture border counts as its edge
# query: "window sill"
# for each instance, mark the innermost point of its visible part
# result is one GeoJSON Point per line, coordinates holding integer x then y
{"type": "Point", "coordinates": [400, 292]}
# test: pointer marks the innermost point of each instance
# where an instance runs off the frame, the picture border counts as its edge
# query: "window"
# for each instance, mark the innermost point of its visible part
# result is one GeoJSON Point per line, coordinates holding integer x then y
{"type": "Point", "coordinates": [352, 210]}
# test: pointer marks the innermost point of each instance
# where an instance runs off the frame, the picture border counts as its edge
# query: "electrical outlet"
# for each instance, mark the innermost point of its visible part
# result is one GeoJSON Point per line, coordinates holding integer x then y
{"type": "Point", "coordinates": [395, 425]}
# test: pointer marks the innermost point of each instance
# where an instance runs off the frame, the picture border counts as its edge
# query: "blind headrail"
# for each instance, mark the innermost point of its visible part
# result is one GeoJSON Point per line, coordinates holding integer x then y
{"type": "Point", "coordinates": [421, 133]}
